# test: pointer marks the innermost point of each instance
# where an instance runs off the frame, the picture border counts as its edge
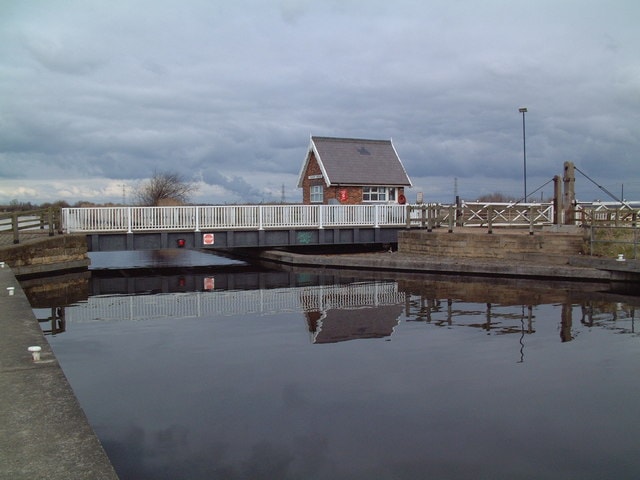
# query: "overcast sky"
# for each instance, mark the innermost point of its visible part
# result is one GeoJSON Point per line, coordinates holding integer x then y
{"type": "Point", "coordinates": [97, 95]}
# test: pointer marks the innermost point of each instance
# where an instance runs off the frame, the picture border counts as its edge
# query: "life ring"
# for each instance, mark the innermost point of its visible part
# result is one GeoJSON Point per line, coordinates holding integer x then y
{"type": "Point", "coordinates": [402, 199]}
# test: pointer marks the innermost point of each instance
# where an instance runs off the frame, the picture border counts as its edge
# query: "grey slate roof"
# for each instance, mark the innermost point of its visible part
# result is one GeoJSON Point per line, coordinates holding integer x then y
{"type": "Point", "coordinates": [353, 161]}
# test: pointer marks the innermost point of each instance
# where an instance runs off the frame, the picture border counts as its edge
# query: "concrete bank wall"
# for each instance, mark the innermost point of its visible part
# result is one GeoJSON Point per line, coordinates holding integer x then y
{"type": "Point", "coordinates": [44, 434]}
{"type": "Point", "coordinates": [482, 245]}
{"type": "Point", "coordinates": [46, 254]}
{"type": "Point", "coordinates": [400, 262]}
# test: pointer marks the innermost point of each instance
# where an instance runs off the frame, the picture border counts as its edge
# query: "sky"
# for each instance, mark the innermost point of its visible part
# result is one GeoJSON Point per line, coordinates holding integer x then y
{"type": "Point", "coordinates": [96, 96]}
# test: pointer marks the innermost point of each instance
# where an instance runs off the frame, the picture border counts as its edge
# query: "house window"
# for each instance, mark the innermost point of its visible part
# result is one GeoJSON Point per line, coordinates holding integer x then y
{"type": "Point", "coordinates": [316, 194]}
{"type": "Point", "coordinates": [374, 194]}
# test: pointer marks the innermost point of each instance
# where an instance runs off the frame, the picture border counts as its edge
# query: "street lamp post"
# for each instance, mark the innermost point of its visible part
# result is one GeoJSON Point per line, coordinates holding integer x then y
{"type": "Point", "coordinates": [523, 110]}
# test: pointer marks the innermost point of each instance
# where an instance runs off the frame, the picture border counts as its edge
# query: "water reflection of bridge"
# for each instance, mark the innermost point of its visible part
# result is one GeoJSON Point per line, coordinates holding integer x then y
{"type": "Point", "coordinates": [339, 312]}
{"type": "Point", "coordinates": [237, 302]}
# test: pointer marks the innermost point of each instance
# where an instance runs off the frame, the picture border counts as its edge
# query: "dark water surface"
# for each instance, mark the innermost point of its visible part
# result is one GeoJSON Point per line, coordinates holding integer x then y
{"type": "Point", "coordinates": [296, 375]}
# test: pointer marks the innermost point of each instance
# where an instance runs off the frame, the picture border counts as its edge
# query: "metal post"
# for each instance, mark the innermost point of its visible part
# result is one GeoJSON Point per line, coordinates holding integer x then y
{"type": "Point", "coordinates": [523, 110]}
{"type": "Point", "coordinates": [129, 220]}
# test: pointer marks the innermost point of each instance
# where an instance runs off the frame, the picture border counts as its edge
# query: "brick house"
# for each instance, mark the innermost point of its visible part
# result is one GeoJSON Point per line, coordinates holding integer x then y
{"type": "Point", "coordinates": [352, 171]}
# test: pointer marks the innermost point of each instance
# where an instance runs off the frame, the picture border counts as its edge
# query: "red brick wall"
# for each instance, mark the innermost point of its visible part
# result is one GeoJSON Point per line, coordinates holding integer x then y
{"type": "Point", "coordinates": [312, 169]}
{"type": "Point", "coordinates": [345, 195]}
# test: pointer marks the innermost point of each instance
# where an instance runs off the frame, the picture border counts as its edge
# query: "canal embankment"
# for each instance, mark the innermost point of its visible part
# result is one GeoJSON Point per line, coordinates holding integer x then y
{"type": "Point", "coordinates": [44, 432]}
{"type": "Point", "coordinates": [42, 254]}
{"type": "Point", "coordinates": [513, 253]}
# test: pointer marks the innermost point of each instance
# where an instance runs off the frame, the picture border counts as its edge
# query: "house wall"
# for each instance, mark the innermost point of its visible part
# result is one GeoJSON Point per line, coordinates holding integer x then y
{"type": "Point", "coordinates": [312, 169]}
{"type": "Point", "coordinates": [345, 195]}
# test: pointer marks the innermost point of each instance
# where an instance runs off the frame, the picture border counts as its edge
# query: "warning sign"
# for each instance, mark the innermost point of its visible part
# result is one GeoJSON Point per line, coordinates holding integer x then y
{"type": "Point", "coordinates": [208, 239]}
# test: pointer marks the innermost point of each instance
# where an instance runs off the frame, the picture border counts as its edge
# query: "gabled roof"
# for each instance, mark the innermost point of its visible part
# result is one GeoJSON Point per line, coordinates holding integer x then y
{"type": "Point", "coordinates": [354, 161]}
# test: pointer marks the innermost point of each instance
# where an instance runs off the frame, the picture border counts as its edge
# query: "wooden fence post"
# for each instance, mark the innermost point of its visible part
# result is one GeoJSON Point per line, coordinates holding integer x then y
{"type": "Point", "coordinates": [459, 213]}
{"type": "Point", "coordinates": [14, 226]}
{"type": "Point", "coordinates": [51, 221]}
{"type": "Point", "coordinates": [531, 220]}
{"type": "Point", "coordinates": [490, 218]}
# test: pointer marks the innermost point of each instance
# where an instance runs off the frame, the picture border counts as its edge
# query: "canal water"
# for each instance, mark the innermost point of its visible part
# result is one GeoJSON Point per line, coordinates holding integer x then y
{"type": "Point", "coordinates": [219, 370]}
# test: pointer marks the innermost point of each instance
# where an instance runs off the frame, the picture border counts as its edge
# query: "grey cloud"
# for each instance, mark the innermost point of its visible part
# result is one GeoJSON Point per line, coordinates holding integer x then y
{"type": "Point", "coordinates": [235, 90]}
{"type": "Point", "coordinates": [238, 189]}
{"type": "Point", "coordinates": [60, 57]}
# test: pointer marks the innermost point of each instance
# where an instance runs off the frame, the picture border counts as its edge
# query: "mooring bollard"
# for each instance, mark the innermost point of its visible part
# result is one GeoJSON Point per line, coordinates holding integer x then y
{"type": "Point", "coordinates": [35, 352]}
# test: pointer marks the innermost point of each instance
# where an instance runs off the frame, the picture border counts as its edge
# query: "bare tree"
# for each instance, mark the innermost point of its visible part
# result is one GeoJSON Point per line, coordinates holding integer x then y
{"type": "Point", "coordinates": [165, 188]}
{"type": "Point", "coordinates": [496, 197]}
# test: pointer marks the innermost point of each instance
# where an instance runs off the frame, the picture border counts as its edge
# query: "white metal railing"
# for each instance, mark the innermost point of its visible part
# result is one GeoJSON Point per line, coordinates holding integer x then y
{"type": "Point", "coordinates": [236, 302]}
{"type": "Point", "coordinates": [196, 218]}
{"type": "Point", "coordinates": [261, 217]}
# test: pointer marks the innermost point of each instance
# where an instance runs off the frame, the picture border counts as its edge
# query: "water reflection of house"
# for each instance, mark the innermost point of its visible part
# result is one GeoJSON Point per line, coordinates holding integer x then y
{"type": "Point", "coordinates": [339, 325]}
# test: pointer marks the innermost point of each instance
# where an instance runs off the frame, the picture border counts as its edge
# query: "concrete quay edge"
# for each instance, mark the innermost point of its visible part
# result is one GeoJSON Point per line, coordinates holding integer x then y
{"type": "Point", "coordinates": [44, 432]}
{"type": "Point", "coordinates": [395, 261]}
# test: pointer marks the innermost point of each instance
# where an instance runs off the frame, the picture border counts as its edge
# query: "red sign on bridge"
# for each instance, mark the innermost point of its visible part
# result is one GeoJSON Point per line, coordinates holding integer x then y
{"type": "Point", "coordinates": [208, 239]}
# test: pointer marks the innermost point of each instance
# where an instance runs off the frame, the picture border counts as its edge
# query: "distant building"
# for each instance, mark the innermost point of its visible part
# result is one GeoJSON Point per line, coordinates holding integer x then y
{"type": "Point", "coordinates": [352, 171]}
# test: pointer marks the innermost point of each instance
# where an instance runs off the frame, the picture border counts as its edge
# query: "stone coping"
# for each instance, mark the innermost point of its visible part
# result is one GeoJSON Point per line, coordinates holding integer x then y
{"type": "Point", "coordinates": [44, 432]}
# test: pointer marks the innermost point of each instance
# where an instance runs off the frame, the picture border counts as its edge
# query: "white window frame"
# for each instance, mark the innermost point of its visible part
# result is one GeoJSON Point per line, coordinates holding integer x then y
{"type": "Point", "coordinates": [375, 194]}
{"type": "Point", "coordinates": [316, 194]}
